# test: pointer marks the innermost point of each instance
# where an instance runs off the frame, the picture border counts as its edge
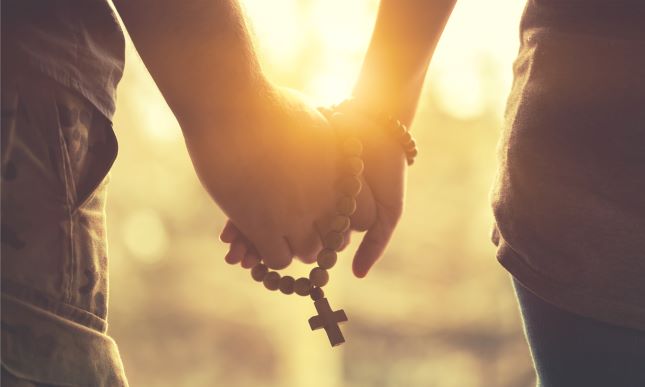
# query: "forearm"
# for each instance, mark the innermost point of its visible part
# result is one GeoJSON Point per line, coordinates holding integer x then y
{"type": "Point", "coordinates": [404, 39]}
{"type": "Point", "coordinates": [198, 52]}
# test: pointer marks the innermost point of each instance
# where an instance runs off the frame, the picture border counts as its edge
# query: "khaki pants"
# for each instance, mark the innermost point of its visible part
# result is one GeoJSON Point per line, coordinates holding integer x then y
{"type": "Point", "coordinates": [57, 150]}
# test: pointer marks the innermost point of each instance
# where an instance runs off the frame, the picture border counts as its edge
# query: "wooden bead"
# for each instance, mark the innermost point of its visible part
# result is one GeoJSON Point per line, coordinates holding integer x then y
{"type": "Point", "coordinates": [355, 165]}
{"type": "Point", "coordinates": [302, 286]}
{"type": "Point", "coordinates": [406, 138]}
{"type": "Point", "coordinates": [411, 145]}
{"type": "Point", "coordinates": [317, 294]}
{"type": "Point", "coordinates": [352, 146]}
{"type": "Point", "coordinates": [340, 223]}
{"type": "Point", "coordinates": [346, 205]}
{"type": "Point", "coordinates": [319, 277]}
{"type": "Point", "coordinates": [350, 186]}
{"type": "Point", "coordinates": [411, 153]}
{"type": "Point", "coordinates": [327, 258]}
{"type": "Point", "coordinates": [272, 280]}
{"type": "Point", "coordinates": [259, 271]}
{"type": "Point", "coordinates": [286, 284]}
{"type": "Point", "coordinates": [333, 240]}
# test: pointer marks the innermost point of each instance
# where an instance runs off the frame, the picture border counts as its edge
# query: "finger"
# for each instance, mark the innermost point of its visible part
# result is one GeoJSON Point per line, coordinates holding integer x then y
{"type": "Point", "coordinates": [346, 240]}
{"type": "Point", "coordinates": [372, 247]}
{"type": "Point", "coordinates": [251, 258]}
{"type": "Point", "coordinates": [365, 215]}
{"type": "Point", "coordinates": [275, 251]}
{"type": "Point", "coordinates": [306, 246]}
{"type": "Point", "coordinates": [236, 251]}
{"type": "Point", "coordinates": [229, 233]}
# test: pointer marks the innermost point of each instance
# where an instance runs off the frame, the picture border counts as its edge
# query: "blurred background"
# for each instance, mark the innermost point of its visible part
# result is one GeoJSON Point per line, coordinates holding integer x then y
{"type": "Point", "coordinates": [437, 310]}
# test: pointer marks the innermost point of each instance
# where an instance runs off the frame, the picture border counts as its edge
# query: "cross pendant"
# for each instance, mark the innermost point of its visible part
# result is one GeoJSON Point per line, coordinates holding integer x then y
{"type": "Point", "coordinates": [328, 320]}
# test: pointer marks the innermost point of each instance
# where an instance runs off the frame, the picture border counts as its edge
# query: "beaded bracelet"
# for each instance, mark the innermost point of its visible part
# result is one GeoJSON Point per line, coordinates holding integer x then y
{"type": "Point", "coordinates": [394, 127]}
{"type": "Point", "coordinates": [349, 187]}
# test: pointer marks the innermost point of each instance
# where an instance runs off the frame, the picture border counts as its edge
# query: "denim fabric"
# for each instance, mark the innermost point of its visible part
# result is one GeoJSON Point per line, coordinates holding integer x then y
{"type": "Point", "coordinates": [57, 149]}
{"type": "Point", "coordinates": [569, 350]}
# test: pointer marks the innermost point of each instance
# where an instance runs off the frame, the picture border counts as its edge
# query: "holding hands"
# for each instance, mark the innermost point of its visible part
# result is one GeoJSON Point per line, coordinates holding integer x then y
{"type": "Point", "coordinates": [379, 201]}
{"type": "Point", "coordinates": [268, 158]}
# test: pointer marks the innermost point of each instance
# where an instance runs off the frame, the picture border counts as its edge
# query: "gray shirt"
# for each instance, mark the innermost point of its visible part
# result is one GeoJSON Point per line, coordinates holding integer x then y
{"type": "Point", "coordinates": [569, 199]}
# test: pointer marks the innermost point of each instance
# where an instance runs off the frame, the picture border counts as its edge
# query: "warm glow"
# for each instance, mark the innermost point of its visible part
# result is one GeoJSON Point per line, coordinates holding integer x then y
{"type": "Point", "coordinates": [324, 41]}
{"type": "Point", "coordinates": [435, 311]}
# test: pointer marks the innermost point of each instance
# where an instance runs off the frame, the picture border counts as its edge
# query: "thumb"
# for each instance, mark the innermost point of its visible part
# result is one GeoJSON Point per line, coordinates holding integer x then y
{"type": "Point", "coordinates": [372, 246]}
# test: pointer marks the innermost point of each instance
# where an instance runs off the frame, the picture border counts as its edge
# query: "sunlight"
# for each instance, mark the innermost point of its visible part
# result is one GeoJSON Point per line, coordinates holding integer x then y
{"type": "Point", "coordinates": [276, 27]}
{"type": "Point", "coordinates": [418, 319]}
{"type": "Point", "coordinates": [322, 44]}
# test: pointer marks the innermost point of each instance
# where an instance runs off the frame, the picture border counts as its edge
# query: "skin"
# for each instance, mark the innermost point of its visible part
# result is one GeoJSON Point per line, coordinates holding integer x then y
{"type": "Point", "coordinates": [253, 144]}
{"type": "Point", "coordinates": [405, 36]}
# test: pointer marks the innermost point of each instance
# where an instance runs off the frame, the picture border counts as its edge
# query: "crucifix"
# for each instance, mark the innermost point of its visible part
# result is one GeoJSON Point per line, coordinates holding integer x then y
{"type": "Point", "coordinates": [328, 320]}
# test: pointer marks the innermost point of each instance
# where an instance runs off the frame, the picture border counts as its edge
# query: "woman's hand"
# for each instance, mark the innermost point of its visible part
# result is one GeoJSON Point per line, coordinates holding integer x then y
{"type": "Point", "coordinates": [380, 202]}
{"type": "Point", "coordinates": [273, 171]}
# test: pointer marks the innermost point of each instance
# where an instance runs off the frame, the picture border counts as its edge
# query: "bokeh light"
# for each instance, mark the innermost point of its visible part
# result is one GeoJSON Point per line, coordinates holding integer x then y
{"type": "Point", "coordinates": [437, 310]}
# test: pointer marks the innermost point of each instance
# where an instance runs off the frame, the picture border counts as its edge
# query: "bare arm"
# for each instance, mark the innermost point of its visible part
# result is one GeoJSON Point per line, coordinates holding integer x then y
{"type": "Point", "coordinates": [199, 53]}
{"type": "Point", "coordinates": [404, 39]}
{"type": "Point", "coordinates": [253, 145]}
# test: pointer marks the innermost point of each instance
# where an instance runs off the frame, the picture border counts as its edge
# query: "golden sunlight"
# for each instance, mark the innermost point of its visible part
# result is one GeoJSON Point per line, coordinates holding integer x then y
{"type": "Point", "coordinates": [165, 244]}
{"type": "Point", "coordinates": [321, 44]}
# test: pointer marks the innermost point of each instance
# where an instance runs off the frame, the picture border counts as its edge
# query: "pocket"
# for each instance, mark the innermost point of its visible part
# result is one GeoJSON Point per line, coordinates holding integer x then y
{"type": "Point", "coordinates": [87, 143]}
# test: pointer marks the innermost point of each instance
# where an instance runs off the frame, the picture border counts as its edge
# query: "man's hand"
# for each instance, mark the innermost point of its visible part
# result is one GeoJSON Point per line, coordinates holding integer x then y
{"type": "Point", "coordinates": [273, 173]}
{"type": "Point", "coordinates": [266, 157]}
{"type": "Point", "coordinates": [380, 202]}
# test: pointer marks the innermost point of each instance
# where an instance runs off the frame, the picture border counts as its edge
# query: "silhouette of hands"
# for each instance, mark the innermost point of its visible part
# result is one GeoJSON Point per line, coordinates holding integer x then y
{"type": "Point", "coordinates": [273, 173]}
{"type": "Point", "coordinates": [379, 204]}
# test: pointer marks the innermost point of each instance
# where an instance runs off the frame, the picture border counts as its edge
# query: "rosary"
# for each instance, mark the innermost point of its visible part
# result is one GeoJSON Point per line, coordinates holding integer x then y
{"type": "Point", "coordinates": [350, 185]}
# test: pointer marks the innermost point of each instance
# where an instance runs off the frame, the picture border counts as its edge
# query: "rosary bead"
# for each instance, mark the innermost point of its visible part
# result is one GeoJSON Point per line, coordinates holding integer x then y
{"type": "Point", "coordinates": [410, 145]}
{"type": "Point", "coordinates": [317, 293]}
{"type": "Point", "coordinates": [352, 146]}
{"type": "Point", "coordinates": [350, 186]}
{"type": "Point", "coordinates": [346, 205]}
{"type": "Point", "coordinates": [406, 138]}
{"type": "Point", "coordinates": [333, 240]}
{"type": "Point", "coordinates": [319, 277]}
{"type": "Point", "coordinates": [272, 280]}
{"type": "Point", "coordinates": [286, 284]}
{"type": "Point", "coordinates": [327, 258]}
{"type": "Point", "coordinates": [355, 165]}
{"type": "Point", "coordinates": [259, 271]}
{"type": "Point", "coordinates": [340, 223]}
{"type": "Point", "coordinates": [302, 286]}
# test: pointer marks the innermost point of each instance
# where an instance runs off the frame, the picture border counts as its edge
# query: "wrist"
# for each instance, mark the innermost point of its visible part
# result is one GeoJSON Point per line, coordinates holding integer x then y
{"type": "Point", "coordinates": [376, 118]}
